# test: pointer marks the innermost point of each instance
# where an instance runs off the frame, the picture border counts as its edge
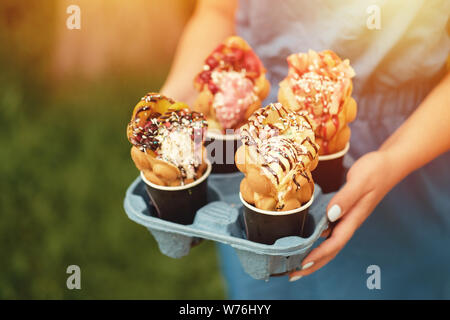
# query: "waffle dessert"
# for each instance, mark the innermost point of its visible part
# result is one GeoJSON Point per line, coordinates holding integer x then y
{"type": "Point", "coordinates": [277, 156]}
{"type": "Point", "coordinates": [231, 85]}
{"type": "Point", "coordinates": [320, 85]}
{"type": "Point", "coordinates": [167, 141]}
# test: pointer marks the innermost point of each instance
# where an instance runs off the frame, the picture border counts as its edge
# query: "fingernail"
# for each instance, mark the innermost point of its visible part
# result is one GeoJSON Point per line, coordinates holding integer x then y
{"type": "Point", "coordinates": [308, 265]}
{"type": "Point", "coordinates": [295, 278]}
{"type": "Point", "coordinates": [334, 213]}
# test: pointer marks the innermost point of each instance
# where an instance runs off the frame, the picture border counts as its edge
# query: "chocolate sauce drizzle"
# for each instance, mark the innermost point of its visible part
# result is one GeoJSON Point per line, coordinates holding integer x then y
{"type": "Point", "coordinates": [285, 151]}
{"type": "Point", "coordinates": [287, 148]}
{"type": "Point", "coordinates": [145, 127]}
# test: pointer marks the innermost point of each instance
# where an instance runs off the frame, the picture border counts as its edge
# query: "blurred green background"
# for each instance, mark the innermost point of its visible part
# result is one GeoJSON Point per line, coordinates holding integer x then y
{"type": "Point", "coordinates": [65, 99]}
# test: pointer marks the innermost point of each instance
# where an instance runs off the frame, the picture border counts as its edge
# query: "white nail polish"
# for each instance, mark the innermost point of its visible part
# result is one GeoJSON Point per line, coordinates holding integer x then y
{"type": "Point", "coordinates": [334, 213]}
{"type": "Point", "coordinates": [295, 278]}
{"type": "Point", "coordinates": [308, 265]}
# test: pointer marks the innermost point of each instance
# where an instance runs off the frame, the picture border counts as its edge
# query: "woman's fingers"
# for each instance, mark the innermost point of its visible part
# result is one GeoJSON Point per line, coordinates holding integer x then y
{"type": "Point", "coordinates": [344, 229]}
{"type": "Point", "coordinates": [325, 233]}
{"type": "Point", "coordinates": [345, 198]}
{"type": "Point", "coordinates": [326, 251]}
{"type": "Point", "coordinates": [347, 210]}
{"type": "Point", "coordinates": [340, 235]}
{"type": "Point", "coordinates": [362, 178]}
{"type": "Point", "coordinates": [309, 268]}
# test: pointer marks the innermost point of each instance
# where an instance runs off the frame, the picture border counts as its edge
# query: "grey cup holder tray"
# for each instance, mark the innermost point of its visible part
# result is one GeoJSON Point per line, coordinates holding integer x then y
{"type": "Point", "coordinates": [222, 220]}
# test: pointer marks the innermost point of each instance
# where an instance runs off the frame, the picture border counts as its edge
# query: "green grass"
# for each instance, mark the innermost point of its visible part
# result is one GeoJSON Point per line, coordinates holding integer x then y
{"type": "Point", "coordinates": [64, 169]}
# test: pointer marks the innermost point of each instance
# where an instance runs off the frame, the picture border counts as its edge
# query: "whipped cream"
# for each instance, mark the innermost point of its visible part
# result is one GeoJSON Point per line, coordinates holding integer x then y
{"type": "Point", "coordinates": [178, 148]}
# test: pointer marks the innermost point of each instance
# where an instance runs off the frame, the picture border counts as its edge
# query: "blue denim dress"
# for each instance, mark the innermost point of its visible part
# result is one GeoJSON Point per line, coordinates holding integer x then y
{"type": "Point", "coordinates": [398, 50]}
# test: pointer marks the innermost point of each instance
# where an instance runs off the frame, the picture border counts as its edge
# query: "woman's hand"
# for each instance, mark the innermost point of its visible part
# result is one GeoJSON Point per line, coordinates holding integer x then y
{"type": "Point", "coordinates": [374, 174]}
{"type": "Point", "coordinates": [368, 181]}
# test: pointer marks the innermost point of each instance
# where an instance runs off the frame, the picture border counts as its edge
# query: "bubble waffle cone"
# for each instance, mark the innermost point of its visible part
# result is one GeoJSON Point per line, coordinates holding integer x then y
{"type": "Point", "coordinates": [231, 85]}
{"type": "Point", "coordinates": [167, 141]}
{"type": "Point", "coordinates": [320, 85]}
{"type": "Point", "coordinates": [277, 156]}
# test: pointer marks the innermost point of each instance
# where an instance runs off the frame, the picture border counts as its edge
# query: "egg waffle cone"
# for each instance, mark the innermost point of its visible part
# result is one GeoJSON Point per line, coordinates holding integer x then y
{"type": "Point", "coordinates": [320, 85]}
{"type": "Point", "coordinates": [277, 157]}
{"type": "Point", "coordinates": [152, 116]}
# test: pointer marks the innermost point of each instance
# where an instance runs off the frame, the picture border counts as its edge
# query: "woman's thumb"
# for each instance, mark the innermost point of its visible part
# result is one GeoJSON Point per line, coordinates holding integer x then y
{"type": "Point", "coordinates": [344, 199]}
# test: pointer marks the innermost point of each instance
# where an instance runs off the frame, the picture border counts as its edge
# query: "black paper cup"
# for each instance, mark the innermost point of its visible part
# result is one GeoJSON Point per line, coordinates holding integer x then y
{"type": "Point", "coordinates": [268, 226]}
{"type": "Point", "coordinates": [179, 204]}
{"type": "Point", "coordinates": [330, 172]}
{"type": "Point", "coordinates": [221, 149]}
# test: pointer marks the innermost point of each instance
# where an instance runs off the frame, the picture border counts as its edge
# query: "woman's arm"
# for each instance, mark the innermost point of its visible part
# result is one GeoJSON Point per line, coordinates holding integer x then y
{"type": "Point", "coordinates": [425, 135]}
{"type": "Point", "coordinates": [211, 23]}
{"type": "Point", "coordinates": [421, 138]}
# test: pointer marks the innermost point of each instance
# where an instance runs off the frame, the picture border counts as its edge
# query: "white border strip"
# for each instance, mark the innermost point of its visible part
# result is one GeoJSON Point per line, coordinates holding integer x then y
{"type": "Point", "coordinates": [335, 155]}
{"type": "Point", "coordinates": [178, 188]}
{"type": "Point", "coordinates": [276, 213]}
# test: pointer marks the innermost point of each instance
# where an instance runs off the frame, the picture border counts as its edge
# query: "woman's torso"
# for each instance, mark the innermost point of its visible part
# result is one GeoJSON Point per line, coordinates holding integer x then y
{"type": "Point", "coordinates": [396, 65]}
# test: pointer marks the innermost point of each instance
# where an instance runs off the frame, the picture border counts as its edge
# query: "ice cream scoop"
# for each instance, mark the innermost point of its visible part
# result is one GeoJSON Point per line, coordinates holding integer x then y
{"type": "Point", "coordinates": [231, 84]}
{"type": "Point", "coordinates": [234, 95]}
